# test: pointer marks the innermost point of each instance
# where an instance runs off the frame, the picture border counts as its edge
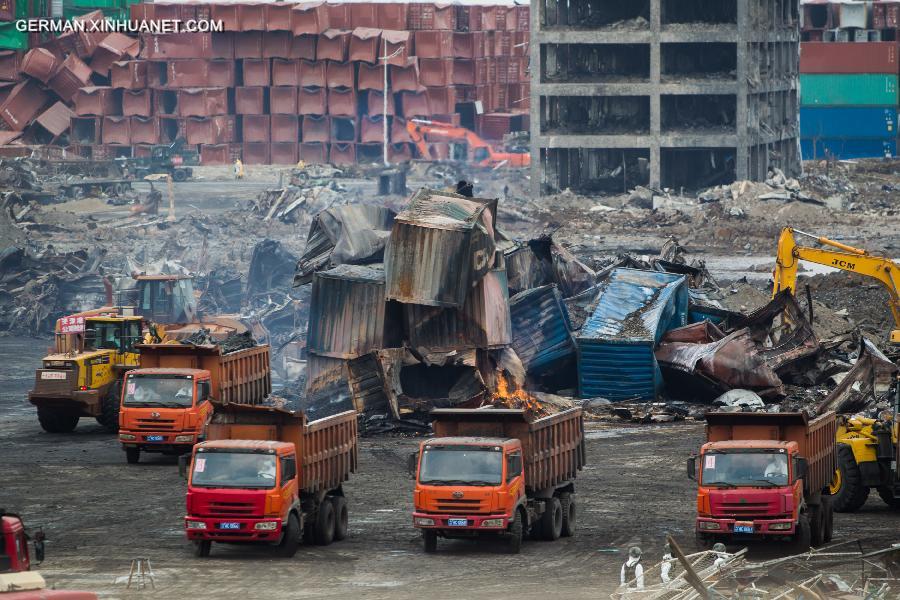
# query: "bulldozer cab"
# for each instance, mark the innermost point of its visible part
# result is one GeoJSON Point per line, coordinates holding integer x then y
{"type": "Point", "coordinates": [165, 299]}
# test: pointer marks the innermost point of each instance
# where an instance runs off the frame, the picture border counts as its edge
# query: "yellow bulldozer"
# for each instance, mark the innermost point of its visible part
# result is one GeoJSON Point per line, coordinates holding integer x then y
{"type": "Point", "coordinates": [867, 448]}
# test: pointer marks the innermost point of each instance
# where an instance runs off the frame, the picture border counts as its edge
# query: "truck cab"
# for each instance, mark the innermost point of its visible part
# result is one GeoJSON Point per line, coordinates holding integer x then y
{"type": "Point", "coordinates": [14, 556]}
{"type": "Point", "coordinates": [469, 485]}
{"type": "Point", "coordinates": [164, 410]}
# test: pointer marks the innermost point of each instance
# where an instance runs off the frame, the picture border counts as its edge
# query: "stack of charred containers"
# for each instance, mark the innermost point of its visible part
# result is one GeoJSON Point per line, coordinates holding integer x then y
{"type": "Point", "coordinates": [284, 81]}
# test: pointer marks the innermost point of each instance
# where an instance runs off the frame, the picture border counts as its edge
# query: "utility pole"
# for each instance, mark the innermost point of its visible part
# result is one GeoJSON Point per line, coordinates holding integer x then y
{"type": "Point", "coordinates": [384, 97]}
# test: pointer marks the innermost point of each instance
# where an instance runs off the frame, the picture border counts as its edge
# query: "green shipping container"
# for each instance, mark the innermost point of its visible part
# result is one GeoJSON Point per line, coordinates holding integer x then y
{"type": "Point", "coordinates": [11, 39]}
{"type": "Point", "coordinates": [848, 90]}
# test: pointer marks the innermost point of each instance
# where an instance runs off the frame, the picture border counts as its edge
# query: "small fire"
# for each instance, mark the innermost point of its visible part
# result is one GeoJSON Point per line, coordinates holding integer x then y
{"type": "Point", "coordinates": [509, 395]}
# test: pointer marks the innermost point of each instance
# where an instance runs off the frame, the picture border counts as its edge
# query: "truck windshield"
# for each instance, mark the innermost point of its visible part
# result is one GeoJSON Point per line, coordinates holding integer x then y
{"type": "Point", "coordinates": [234, 470]}
{"type": "Point", "coordinates": [461, 465]}
{"type": "Point", "coordinates": [173, 391]}
{"type": "Point", "coordinates": [764, 469]}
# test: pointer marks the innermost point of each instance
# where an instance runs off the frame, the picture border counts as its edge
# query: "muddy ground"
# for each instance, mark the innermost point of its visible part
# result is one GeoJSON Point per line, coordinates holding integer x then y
{"type": "Point", "coordinates": [99, 513]}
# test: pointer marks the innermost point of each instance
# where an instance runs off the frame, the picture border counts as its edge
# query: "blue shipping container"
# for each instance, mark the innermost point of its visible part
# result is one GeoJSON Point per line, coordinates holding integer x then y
{"type": "Point", "coordinates": [616, 344]}
{"type": "Point", "coordinates": [848, 122]}
{"type": "Point", "coordinates": [542, 333]}
{"type": "Point", "coordinates": [847, 148]}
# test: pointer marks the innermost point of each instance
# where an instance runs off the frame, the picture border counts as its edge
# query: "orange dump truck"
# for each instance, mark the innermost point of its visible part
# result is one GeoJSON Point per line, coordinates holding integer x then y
{"type": "Point", "coordinates": [765, 476]}
{"type": "Point", "coordinates": [492, 472]}
{"type": "Point", "coordinates": [267, 475]}
{"type": "Point", "coordinates": [168, 401]}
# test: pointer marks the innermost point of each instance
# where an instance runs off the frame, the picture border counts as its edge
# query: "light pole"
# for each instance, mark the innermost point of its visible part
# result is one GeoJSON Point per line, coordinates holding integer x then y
{"type": "Point", "coordinates": [384, 96]}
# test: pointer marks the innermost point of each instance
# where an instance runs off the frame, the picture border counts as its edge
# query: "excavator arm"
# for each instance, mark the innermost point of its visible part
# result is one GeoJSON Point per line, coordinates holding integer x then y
{"type": "Point", "coordinates": [843, 257]}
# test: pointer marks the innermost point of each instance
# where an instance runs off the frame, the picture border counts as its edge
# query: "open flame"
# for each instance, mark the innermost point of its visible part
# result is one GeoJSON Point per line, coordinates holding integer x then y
{"type": "Point", "coordinates": [509, 395]}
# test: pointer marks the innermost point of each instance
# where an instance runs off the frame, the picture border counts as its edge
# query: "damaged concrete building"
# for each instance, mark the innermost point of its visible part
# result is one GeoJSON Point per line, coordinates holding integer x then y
{"type": "Point", "coordinates": [662, 93]}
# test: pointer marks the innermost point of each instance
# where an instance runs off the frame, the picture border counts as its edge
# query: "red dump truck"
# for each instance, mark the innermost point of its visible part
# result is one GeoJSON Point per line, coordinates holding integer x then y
{"type": "Point", "coordinates": [493, 472]}
{"type": "Point", "coordinates": [267, 475]}
{"type": "Point", "coordinates": [765, 476]}
{"type": "Point", "coordinates": [168, 401]}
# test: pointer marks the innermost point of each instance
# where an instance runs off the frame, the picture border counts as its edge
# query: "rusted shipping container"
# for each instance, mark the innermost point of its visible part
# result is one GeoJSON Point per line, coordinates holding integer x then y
{"type": "Point", "coordinates": [283, 153]}
{"type": "Point", "coordinates": [85, 130]}
{"type": "Point", "coordinates": [340, 75]}
{"type": "Point", "coordinates": [333, 44]}
{"type": "Point", "coordinates": [256, 153]}
{"type": "Point", "coordinates": [467, 44]}
{"type": "Point", "coordinates": [363, 14]}
{"type": "Point", "coordinates": [348, 313]}
{"type": "Point", "coordinates": [339, 15]}
{"type": "Point", "coordinates": [365, 45]}
{"type": "Point", "coordinates": [203, 102]}
{"type": "Point", "coordinates": [441, 100]}
{"type": "Point", "coordinates": [371, 130]}
{"type": "Point", "coordinates": [312, 101]}
{"type": "Point", "coordinates": [248, 44]}
{"type": "Point", "coordinates": [375, 103]}
{"type": "Point", "coordinates": [405, 79]}
{"type": "Point", "coordinates": [137, 103]}
{"type": "Point", "coordinates": [434, 44]}
{"type": "Point", "coordinates": [399, 47]}
{"type": "Point", "coordinates": [251, 16]}
{"type": "Point", "coordinates": [56, 119]}
{"type": "Point", "coordinates": [177, 45]}
{"type": "Point", "coordinates": [192, 73]}
{"type": "Point", "coordinates": [283, 101]}
{"type": "Point", "coordinates": [553, 447]}
{"type": "Point", "coordinates": [415, 104]}
{"type": "Point", "coordinates": [116, 130]}
{"type": "Point", "coordinates": [227, 14]}
{"type": "Point", "coordinates": [278, 16]}
{"type": "Point", "coordinates": [256, 72]}
{"type": "Point", "coordinates": [239, 377]}
{"type": "Point", "coordinates": [251, 100]}
{"type": "Point", "coordinates": [277, 44]}
{"type": "Point", "coordinates": [285, 128]}
{"type": "Point", "coordinates": [399, 133]}
{"type": "Point", "coordinates": [432, 16]}
{"type": "Point", "coordinates": [219, 154]}
{"type": "Point", "coordinates": [40, 63]}
{"type": "Point", "coordinates": [304, 46]}
{"type": "Point", "coordinates": [313, 73]}
{"type": "Point", "coordinates": [815, 438]}
{"type": "Point", "coordinates": [285, 72]}
{"type": "Point", "coordinates": [72, 75]}
{"type": "Point", "coordinates": [314, 153]}
{"type": "Point", "coordinates": [342, 154]}
{"type": "Point", "coordinates": [114, 47]}
{"type": "Point", "coordinates": [145, 130]}
{"type": "Point", "coordinates": [831, 57]}
{"type": "Point", "coordinates": [326, 448]}
{"type": "Point", "coordinates": [392, 15]}
{"type": "Point", "coordinates": [255, 128]}
{"type": "Point", "coordinates": [441, 245]}
{"type": "Point", "coordinates": [309, 18]}
{"type": "Point", "coordinates": [10, 61]}
{"type": "Point", "coordinates": [343, 129]}
{"type": "Point", "coordinates": [129, 75]}
{"type": "Point", "coordinates": [886, 14]}
{"type": "Point", "coordinates": [219, 129]}
{"type": "Point", "coordinates": [342, 102]}
{"type": "Point", "coordinates": [400, 152]}
{"type": "Point", "coordinates": [315, 128]}
{"type": "Point", "coordinates": [98, 101]}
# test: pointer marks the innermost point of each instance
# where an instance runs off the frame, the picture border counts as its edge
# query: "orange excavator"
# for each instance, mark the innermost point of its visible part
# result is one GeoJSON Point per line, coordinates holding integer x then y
{"type": "Point", "coordinates": [466, 145]}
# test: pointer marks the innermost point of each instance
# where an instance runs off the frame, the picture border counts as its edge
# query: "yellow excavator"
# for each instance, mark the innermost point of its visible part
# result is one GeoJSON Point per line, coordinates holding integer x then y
{"type": "Point", "coordinates": [867, 449]}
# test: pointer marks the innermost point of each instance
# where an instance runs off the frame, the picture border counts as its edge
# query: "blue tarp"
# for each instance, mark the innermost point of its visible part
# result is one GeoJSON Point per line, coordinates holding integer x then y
{"type": "Point", "coordinates": [615, 346]}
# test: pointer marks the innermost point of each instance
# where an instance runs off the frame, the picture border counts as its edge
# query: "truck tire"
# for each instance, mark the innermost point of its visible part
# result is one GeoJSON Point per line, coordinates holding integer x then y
{"type": "Point", "coordinates": [429, 540]}
{"type": "Point", "coordinates": [887, 494]}
{"type": "Point", "coordinates": [516, 533]}
{"type": "Point", "coordinates": [851, 494]}
{"type": "Point", "coordinates": [341, 519]}
{"type": "Point", "coordinates": [802, 537]}
{"type": "Point", "coordinates": [325, 524]}
{"type": "Point", "coordinates": [179, 175]}
{"type": "Point", "coordinates": [109, 409]}
{"type": "Point", "coordinates": [816, 526]}
{"type": "Point", "coordinates": [828, 513]}
{"type": "Point", "coordinates": [202, 548]}
{"type": "Point", "coordinates": [551, 520]}
{"type": "Point", "coordinates": [132, 455]}
{"type": "Point", "coordinates": [287, 547]}
{"type": "Point", "coordinates": [569, 513]}
{"type": "Point", "coordinates": [56, 423]}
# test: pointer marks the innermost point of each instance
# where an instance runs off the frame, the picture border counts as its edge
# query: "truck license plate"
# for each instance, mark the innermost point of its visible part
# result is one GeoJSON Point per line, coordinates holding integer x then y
{"type": "Point", "coordinates": [53, 375]}
{"type": "Point", "coordinates": [743, 527]}
{"type": "Point", "coordinates": [457, 522]}
{"type": "Point", "coordinates": [154, 438]}
{"type": "Point", "coordinates": [229, 525]}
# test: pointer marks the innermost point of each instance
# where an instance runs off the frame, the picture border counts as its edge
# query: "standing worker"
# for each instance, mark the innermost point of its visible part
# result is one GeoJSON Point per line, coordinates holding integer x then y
{"type": "Point", "coordinates": [238, 169]}
{"type": "Point", "coordinates": [668, 561]}
{"type": "Point", "coordinates": [632, 570]}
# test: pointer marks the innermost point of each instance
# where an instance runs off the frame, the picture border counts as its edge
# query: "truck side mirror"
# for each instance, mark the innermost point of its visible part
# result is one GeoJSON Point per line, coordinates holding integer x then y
{"type": "Point", "coordinates": [183, 461]}
{"type": "Point", "coordinates": [800, 468]}
{"type": "Point", "coordinates": [39, 547]}
{"type": "Point", "coordinates": [412, 461]}
{"type": "Point", "coordinates": [692, 467]}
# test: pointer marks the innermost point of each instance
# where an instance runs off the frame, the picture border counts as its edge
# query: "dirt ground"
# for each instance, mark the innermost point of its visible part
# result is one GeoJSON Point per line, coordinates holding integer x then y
{"type": "Point", "coordinates": [99, 513]}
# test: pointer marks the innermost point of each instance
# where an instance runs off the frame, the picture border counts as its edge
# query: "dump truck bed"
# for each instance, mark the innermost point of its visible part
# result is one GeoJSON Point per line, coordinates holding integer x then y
{"type": "Point", "coordinates": [327, 448]}
{"type": "Point", "coordinates": [815, 438]}
{"type": "Point", "coordinates": [240, 377]}
{"type": "Point", "coordinates": [553, 447]}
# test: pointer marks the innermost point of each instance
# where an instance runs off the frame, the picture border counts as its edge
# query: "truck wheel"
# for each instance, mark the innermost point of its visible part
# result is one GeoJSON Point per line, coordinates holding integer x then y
{"type": "Point", "coordinates": [287, 548]}
{"type": "Point", "coordinates": [887, 494]}
{"type": "Point", "coordinates": [132, 455]}
{"type": "Point", "coordinates": [848, 491]}
{"type": "Point", "coordinates": [109, 409]}
{"type": "Point", "coordinates": [828, 516]}
{"type": "Point", "coordinates": [568, 512]}
{"type": "Point", "coordinates": [516, 533]}
{"type": "Point", "coordinates": [325, 524]}
{"type": "Point", "coordinates": [429, 540]}
{"type": "Point", "coordinates": [802, 537]}
{"type": "Point", "coordinates": [179, 175]}
{"type": "Point", "coordinates": [55, 423]}
{"type": "Point", "coordinates": [202, 548]}
{"type": "Point", "coordinates": [340, 517]}
{"type": "Point", "coordinates": [551, 520]}
{"type": "Point", "coordinates": [816, 526]}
